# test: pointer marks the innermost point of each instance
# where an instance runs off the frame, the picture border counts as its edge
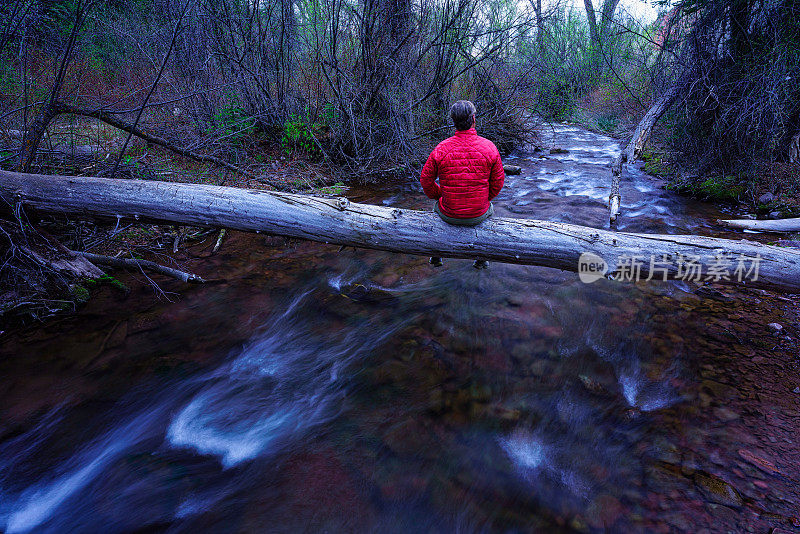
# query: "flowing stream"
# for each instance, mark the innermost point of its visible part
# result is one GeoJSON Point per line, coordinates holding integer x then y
{"type": "Point", "coordinates": [325, 390]}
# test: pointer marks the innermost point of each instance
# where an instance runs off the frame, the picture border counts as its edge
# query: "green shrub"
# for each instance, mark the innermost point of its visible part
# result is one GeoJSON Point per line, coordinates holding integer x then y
{"type": "Point", "coordinates": [106, 280]}
{"type": "Point", "coordinates": [297, 136]}
{"type": "Point", "coordinates": [557, 99]}
{"type": "Point", "coordinates": [336, 189]}
{"type": "Point", "coordinates": [9, 83]}
{"type": "Point", "coordinates": [79, 294]}
{"type": "Point", "coordinates": [722, 188]}
{"type": "Point", "coordinates": [233, 122]}
{"type": "Point", "coordinates": [717, 188]}
{"type": "Point", "coordinates": [607, 123]}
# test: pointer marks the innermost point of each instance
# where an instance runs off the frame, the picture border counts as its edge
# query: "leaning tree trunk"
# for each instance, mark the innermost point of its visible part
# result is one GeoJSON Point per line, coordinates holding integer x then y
{"type": "Point", "coordinates": [32, 138]}
{"type": "Point", "coordinates": [634, 148]}
{"type": "Point", "coordinates": [108, 118]}
{"type": "Point", "coordinates": [338, 221]}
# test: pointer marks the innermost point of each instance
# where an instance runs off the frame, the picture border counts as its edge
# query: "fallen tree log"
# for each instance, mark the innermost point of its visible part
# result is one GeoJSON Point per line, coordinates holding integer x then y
{"type": "Point", "coordinates": [635, 146]}
{"type": "Point", "coordinates": [130, 263]}
{"type": "Point", "coordinates": [774, 225]}
{"type": "Point", "coordinates": [337, 221]}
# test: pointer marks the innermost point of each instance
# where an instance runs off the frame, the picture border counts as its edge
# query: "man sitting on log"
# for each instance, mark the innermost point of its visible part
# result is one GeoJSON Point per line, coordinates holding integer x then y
{"type": "Point", "coordinates": [470, 174]}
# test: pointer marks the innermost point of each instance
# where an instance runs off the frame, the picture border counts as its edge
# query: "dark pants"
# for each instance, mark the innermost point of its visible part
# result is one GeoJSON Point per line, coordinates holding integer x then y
{"type": "Point", "coordinates": [471, 221]}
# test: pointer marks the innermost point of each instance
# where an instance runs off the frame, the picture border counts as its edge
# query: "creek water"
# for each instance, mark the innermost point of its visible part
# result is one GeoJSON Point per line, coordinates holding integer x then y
{"type": "Point", "coordinates": [324, 390]}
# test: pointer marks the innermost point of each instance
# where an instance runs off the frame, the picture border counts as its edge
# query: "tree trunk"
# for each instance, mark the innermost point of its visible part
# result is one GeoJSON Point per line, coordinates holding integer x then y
{"type": "Point", "coordinates": [337, 221]}
{"type": "Point", "coordinates": [739, 21]}
{"type": "Point", "coordinates": [609, 7]}
{"type": "Point", "coordinates": [32, 138]}
{"type": "Point", "coordinates": [537, 8]}
{"type": "Point", "coordinates": [634, 148]}
{"type": "Point", "coordinates": [594, 33]}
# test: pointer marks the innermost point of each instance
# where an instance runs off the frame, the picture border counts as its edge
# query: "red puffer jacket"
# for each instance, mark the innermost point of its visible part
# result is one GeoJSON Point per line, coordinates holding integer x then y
{"type": "Point", "coordinates": [470, 174]}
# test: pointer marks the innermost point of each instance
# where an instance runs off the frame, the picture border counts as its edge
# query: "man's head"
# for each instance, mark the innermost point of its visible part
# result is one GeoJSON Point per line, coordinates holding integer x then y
{"type": "Point", "coordinates": [463, 114]}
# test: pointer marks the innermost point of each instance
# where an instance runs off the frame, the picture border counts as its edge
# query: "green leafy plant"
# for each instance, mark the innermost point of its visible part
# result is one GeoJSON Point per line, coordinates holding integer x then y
{"type": "Point", "coordinates": [233, 122]}
{"type": "Point", "coordinates": [106, 280]}
{"type": "Point", "coordinates": [336, 189]}
{"type": "Point", "coordinates": [297, 136]}
{"type": "Point", "coordinates": [328, 113]}
{"type": "Point", "coordinates": [8, 78]}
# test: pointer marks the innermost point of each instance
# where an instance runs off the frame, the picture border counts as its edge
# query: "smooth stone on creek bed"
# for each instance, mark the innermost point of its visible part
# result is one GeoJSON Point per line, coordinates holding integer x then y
{"type": "Point", "coordinates": [717, 490]}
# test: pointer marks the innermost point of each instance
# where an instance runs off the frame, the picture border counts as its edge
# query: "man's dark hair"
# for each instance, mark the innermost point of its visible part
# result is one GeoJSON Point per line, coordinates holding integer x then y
{"type": "Point", "coordinates": [463, 114]}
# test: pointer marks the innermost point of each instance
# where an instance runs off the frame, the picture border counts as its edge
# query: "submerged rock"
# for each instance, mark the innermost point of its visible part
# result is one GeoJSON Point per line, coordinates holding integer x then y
{"type": "Point", "coordinates": [717, 490]}
{"type": "Point", "coordinates": [761, 463]}
{"type": "Point", "coordinates": [593, 385]}
{"type": "Point", "coordinates": [604, 511]}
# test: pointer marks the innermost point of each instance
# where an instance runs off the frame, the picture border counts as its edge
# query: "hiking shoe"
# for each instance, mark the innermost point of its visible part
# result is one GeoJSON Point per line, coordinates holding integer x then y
{"type": "Point", "coordinates": [481, 264]}
{"type": "Point", "coordinates": [436, 262]}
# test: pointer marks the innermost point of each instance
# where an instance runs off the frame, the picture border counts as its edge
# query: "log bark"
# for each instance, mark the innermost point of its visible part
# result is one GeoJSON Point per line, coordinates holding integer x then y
{"type": "Point", "coordinates": [776, 225]}
{"type": "Point", "coordinates": [634, 148]}
{"type": "Point", "coordinates": [337, 221]}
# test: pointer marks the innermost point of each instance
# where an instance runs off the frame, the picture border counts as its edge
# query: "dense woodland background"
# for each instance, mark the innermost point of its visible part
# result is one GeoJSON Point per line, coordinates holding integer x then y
{"type": "Point", "coordinates": [297, 94]}
{"type": "Point", "coordinates": [368, 82]}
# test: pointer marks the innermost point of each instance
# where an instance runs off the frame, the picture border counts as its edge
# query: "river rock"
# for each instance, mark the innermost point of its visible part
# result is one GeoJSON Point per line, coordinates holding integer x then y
{"type": "Point", "coordinates": [512, 169]}
{"type": "Point", "coordinates": [559, 151]}
{"type": "Point", "coordinates": [766, 198]}
{"type": "Point", "coordinates": [593, 385]}
{"type": "Point", "coordinates": [539, 367]}
{"type": "Point", "coordinates": [775, 215]}
{"type": "Point", "coordinates": [407, 438]}
{"type": "Point", "coordinates": [775, 327]}
{"type": "Point", "coordinates": [515, 300]}
{"type": "Point", "coordinates": [578, 525]}
{"type": "Point", "coordinates": [480, 392]}
{"type": "Point", "coordinates": [717, 490]}
{"type": "Point", "coordinates": [604, 511]}
{"type": "Point", "coordinates": [725, 414]}
{"type": "Point", "coordinates": [762, 463]}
